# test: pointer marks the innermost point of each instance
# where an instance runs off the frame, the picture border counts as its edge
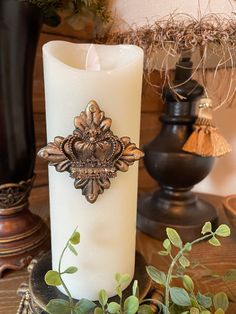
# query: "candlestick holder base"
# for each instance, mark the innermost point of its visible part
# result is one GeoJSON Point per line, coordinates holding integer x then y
{"type": "Point", "coordinates": [181, 210]}
{"type": "Point", "coordinates": [37, 294]}
{"type": "Point", "coordinates": [23, 235]}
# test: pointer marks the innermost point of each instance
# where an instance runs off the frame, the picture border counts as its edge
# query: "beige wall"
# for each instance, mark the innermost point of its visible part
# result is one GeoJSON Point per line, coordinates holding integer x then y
{"type": "Point", "coordinates": [222, 179]}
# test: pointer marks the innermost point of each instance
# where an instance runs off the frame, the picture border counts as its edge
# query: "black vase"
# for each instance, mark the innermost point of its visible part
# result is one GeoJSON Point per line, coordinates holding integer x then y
{"type": "Point", "coordinates": [20, 25]}
{"type": "Point", "coordinates": [21, 232]}
{"type": "Point", "coordinates": [173, 204]}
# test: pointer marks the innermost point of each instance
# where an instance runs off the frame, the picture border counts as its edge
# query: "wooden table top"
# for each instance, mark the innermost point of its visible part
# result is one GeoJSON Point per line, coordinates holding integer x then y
{"type": "Point", "coordinates": [214, 259]}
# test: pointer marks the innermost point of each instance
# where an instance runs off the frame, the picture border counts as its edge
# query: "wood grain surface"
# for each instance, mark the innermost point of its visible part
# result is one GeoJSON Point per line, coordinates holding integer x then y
{"type": "Point", "coordinates": [213, 259]}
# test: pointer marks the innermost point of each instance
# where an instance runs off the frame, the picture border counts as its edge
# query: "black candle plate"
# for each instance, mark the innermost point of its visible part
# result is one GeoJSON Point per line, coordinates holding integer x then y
{"type": "Point", "coordinates": [41, 293]}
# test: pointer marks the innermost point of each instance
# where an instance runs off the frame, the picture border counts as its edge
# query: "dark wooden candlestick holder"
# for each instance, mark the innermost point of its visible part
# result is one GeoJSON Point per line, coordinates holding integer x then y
{"type": "Point", "coordinates": [22, 234]}
{"type": "Point", "coordinates": [173, 204]}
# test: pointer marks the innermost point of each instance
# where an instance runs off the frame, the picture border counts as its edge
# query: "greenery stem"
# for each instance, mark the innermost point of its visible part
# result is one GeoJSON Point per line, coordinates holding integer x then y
{"type": "Point", "coordinates": [209, 235]}
{"type": "Point", "coordinates": [60, 273]}
{"type": "Point", "coordinates": [174, 261]}
{"type": "Point", "coordinates": [121, 305]}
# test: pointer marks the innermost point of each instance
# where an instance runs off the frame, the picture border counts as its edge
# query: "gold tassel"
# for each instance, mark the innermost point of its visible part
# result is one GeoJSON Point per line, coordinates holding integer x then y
{"type": "Point", "coordinates": [206, 140]}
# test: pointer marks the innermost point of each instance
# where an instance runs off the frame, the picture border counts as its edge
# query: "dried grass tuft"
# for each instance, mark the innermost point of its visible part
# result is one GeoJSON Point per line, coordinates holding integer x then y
{"type": "Point", "coordinates": [166, 39]}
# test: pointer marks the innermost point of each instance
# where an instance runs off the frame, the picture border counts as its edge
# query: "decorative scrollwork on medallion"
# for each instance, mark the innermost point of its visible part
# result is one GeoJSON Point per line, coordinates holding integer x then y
{"type": "Point", "coordinates": [93, 154]}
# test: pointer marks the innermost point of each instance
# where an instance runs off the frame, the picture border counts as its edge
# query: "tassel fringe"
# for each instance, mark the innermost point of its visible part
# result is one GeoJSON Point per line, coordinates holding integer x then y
{"type": "Point", "coordinates": [206, 140]}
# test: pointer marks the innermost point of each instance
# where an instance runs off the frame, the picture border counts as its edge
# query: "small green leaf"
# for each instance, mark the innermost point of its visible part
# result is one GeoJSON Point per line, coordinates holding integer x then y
{"type": "Point", "coordinates": [188, 247]}
{"type": "Point", "coordinates": [72, 249]}
{"type": "Point", "coordinates": [230, 275]}
{"type": "Point", "coordinates": [194, 302]}
{"type": "Point", "coordinates": [188, 283]}
{"type": "Point", "coordinates": [194, 310]}
{"type": "Point", "coordinates": [75, 238]}
{"type": "Point", "coordinates": [167, 245]}
{"type": "Point", "coordinates": [84, 306]}
{"type": "Point", "coordinates": [131, 305]}
{"type": "Point", "coordinates": [223, 231]}
{"type": "Point", "coordinates": [174, 237]}
{"type": "Point", "coordinates": [124, 279]}
{"type": "Point", "coordinates": [71, 270]}
{"type": "Point", "coordinates": [184, 262]}
{"type": "Point", "coordinates": [113, 308]}
{"type": "Point", "coordinates": [98, 310]}
{"type": "Point", "coordinates": [163, 253]}
{"type": "Point", "coordinates": [145, 309]}
{"type": "Point", "coordinates": [156, 275]}
{"type": "Point", "coordinates": [206, 228]}
{"type": "Point", "coordinates": [180, 296]}
{"type": "Point", "coordinates": [204, 301]}
{"type": "Point", "coordinates": [52, 278]}
{"type": "Point", "coordinates": [214, 241]}
{"type": "Point", "coordinates": [205, 312]}
{"type": "Point", "coordinates": [102, 297]}
{"type": "Point", "coordinates": [135, 289]}
{"type": "Point", "coordinates": [117, 277]}
{"type": "Point", "coordinates": [219, 311]}
{"type": "Point", "coordinates": [119, 291]}
{"type": "Point", "coordinates": [220, 301]}
{"type": "Point", "coordinates": [58, 306]}
{"type": "Point", "coordinates": [180, 271]}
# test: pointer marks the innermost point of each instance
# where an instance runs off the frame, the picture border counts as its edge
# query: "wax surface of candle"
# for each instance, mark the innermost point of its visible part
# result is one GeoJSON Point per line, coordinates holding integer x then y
{"type": "Point", "coordinates": [107, 227]}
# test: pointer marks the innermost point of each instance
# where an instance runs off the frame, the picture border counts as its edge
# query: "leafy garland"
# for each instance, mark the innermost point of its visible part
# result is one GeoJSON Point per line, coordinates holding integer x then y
{"type": "Point", "coordinates": [177, 300]}
{"type": "Point", "coordinates": [51, 9]}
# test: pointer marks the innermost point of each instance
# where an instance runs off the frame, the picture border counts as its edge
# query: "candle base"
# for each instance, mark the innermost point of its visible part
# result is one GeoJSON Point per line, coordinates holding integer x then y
{"type": "Point", "coordinates": [23, 235]}
{"type": "Point", "coordinates": [37, 294]}
{"type": "Point", "coordinates": [181, 210]}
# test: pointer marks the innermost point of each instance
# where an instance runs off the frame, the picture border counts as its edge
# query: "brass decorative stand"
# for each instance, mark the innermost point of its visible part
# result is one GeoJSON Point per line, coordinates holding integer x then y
{"type": "Point", "coordinates": [22, 234]}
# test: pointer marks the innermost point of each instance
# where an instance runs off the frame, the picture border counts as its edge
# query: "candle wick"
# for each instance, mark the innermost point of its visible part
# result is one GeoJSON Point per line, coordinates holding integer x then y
{"type": "Point", "coordinates": [92, 59]}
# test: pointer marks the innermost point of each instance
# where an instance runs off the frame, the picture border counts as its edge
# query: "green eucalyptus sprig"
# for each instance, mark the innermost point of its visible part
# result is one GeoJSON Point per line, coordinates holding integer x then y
{"type": "Point", "coordinates": [178, 300]}
{"type": "Point", "coordinates": [184, 300]}
{"type": "Point", "coordinates": [55, 278]}
{"type": "Point", "coordinates": [130, 305]}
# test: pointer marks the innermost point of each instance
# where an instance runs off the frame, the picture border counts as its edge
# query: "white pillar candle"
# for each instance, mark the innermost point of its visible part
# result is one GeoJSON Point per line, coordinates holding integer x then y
{"type": "Point", "coordinates": [108, 226]}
